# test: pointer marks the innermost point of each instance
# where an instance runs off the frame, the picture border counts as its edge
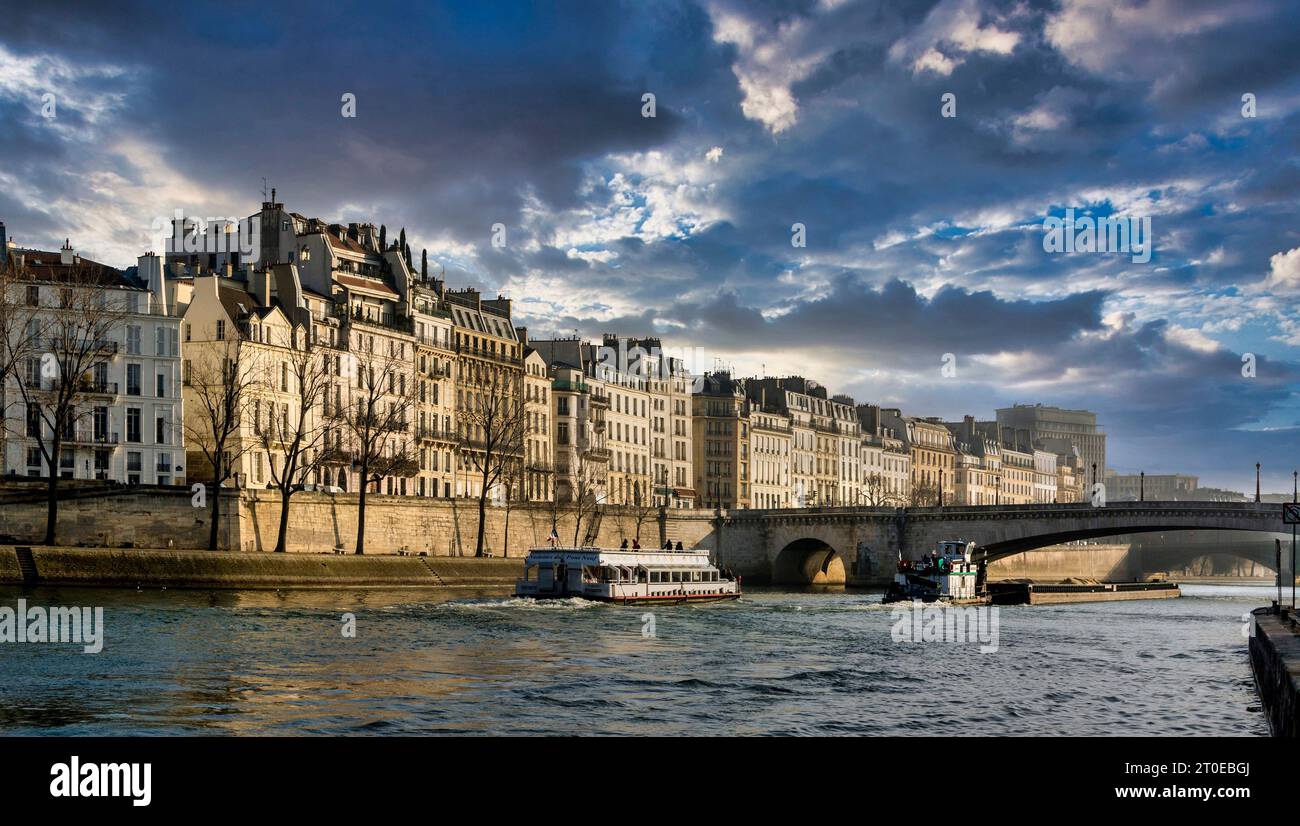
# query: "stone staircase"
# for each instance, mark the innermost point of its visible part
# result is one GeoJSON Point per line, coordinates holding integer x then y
{"type": "Point", "coordinates": [425, 562]}
{"type": "Point", "coordinates": [27, 564]}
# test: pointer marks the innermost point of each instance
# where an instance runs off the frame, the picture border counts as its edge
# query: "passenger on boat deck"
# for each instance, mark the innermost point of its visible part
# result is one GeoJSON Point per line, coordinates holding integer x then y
{"type": "Point", "coordinates": [679, 544]}
{"type": "Point", "coordinates": [636, 544]}
{"type": "Point", "coordinates": [623, 547]}
{"type": "Point", "coordinates": [668, 544]}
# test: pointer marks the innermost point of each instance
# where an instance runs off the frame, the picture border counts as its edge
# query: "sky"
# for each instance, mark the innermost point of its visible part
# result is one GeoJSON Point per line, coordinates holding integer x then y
{"type": "Point", "coordinates": [922, 280]}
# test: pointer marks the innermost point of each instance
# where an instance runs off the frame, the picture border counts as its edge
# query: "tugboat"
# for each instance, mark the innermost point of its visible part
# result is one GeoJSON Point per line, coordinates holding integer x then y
{"type": "Point", "coordinates": [949, 574]}
{"type": "Point", "coordinates": [627, 577]}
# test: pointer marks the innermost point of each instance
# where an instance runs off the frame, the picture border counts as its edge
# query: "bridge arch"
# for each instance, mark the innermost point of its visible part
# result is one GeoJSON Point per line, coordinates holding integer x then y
{"type": "Point", "coordinates": [1000, 550]}
{"type": "Point", "coordinates": [808, 561]}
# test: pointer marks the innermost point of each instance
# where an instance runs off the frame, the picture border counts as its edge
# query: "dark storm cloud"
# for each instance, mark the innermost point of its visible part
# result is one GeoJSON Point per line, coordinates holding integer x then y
{"type": "Point", "coordinates": [922, 232]}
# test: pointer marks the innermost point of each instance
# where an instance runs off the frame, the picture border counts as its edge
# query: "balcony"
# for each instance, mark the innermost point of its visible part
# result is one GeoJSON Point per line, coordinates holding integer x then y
{"type": "Point", "coordinates": [487, 353]}
{"type": "Point", "coordinates": [90, 437]}
{"type": "Point", "coordinates": [431, 434]}
{"type": "Point", "coordinates": [97, 388]}
{"type": "Point", "coordinates": [389, 321]}
{"type": "Point", "coordinates": [76, 344]}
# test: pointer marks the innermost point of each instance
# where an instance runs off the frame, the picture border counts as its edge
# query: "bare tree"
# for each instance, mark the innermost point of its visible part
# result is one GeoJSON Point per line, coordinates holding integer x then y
{"type": "Point", "coordinates": [17, 314]}
{"type": "Point", "coordinates": [72, 334]}
{"type": "Point", "coordinates": [642, 508]}
{"type": "Point", "coordinates": [493, 422]}
{"type": "Point", "coordinates": [219, 383]}
{"type": "Point", "coordinates": [294, 436]}
{"type": "Point", "coordinates": [924, 495]}
{"type": "Point", "coordinates": [876, 492]}
{"type": "Point", "coordinates": [584, 479]}
{"type": "Point", "coordinates": [377, 422]}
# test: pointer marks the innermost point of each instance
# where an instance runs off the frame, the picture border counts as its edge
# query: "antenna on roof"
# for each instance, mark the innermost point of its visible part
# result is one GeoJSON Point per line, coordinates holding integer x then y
{"type": "Point", "coordinates": [264, 190]}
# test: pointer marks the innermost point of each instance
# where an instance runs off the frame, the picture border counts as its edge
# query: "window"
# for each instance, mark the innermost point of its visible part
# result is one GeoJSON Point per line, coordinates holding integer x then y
{"type": "Point", "coordinates": [133, 339]}
{"type": "Point", "coordinates": [133, 425]}
{"type": "Point", "coordinates": [160, 430]}
{"type": "Point", "coordinates": [161, 385]}
{"type": "Point", "coordinates": [33, 421]}
{"type": "Point", "coordinates": [33, 296]}
{"type": "Point", "coordinates": [133, 379]}
{"type": "Point", "coordinates": [221, 330]}
{"type": "Point", "coordinates": [100, 419]}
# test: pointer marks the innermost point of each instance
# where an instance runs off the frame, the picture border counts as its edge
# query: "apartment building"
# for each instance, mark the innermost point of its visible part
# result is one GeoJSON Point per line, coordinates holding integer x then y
{"type": "Point", "coordinates": [934, 460]}
{"type": "Point", "coordinates": [721, 442]}
{"type": "Point", "coordinates": [539, 465]}
{"type": "Point", "coordinates": [435, 373]}
{"type": "Point", "coordinates": [125, 423]}
{"type": "Point", "coordinates": [770, 443]}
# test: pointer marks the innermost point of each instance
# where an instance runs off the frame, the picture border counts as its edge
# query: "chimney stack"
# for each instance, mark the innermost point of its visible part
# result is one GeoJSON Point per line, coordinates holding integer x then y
{"type": "Point", "coordinates": [152, 273]}
{"type": "Point", "coordinates": [66, 255]}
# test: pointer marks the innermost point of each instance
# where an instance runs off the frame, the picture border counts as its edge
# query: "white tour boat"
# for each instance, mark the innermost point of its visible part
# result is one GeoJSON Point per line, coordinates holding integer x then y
{"type": "Point", "coordinates": [950, 574]}
{"type": "Point", "coordinates": [629, 577]}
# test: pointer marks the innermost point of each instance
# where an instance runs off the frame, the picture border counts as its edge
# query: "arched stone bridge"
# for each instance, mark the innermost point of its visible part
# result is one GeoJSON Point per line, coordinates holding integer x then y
{"type": "Point", "coordinates": [862, 545]}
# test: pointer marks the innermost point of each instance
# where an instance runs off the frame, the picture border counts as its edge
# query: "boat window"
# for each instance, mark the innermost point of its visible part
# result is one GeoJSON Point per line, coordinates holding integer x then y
{"type": "Point", "coordinates": [677, 576]}
{"type": "Point", "coordinates": [654, 576]}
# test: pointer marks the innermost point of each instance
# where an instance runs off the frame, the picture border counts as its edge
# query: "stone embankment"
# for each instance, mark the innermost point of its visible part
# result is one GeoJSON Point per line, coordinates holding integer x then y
{"type": "Point", "coordinates": [166, 568]}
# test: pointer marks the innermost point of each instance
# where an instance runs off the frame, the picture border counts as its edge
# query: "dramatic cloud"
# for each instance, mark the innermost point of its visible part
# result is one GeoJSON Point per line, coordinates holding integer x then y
{"type": "Point", "coordinates": [922, 233]}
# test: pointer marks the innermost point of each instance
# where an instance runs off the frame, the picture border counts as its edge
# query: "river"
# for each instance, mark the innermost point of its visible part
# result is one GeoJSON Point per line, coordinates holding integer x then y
{"type": "Point", "coordinates": [777, 662]}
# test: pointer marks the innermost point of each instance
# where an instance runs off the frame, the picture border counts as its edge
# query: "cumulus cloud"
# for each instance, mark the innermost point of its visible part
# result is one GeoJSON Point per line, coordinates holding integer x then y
{"type": "Point", "coordinates": [951, 31]}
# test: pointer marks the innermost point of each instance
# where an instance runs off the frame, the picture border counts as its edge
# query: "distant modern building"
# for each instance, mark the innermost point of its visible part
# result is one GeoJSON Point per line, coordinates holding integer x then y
{"type": "Point", "coordinates": [1056, 430]}
{"type": "Point", "coordinates": [1167, 487]}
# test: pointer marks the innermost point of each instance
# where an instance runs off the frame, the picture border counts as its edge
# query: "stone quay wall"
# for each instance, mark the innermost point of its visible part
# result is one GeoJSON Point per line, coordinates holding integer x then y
{"type": "Point", "coordinates": [166, 518]}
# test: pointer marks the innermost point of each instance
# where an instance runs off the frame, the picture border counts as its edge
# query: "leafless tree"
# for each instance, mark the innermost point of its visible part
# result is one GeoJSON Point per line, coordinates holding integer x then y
{"type": "Point", "coordinates": [17, 314]}
{"type": "Point", "coordinates": [219, 382]}
{"type": "Point", "coordinates": [924, 495]}
{"type": "Point", "coordinates": [376, 421]}
{"type": "Point", "coordinates": [492, 421]}
{"type": "Point", "coordinates": [876, 492]}
{"type": "Point", "coordinates": [295, 433]}
{"type": "Point", "coordinates": [642, 508]}
{"type": "Point", "coordinates": [584, 478]}
{"type": "Point", "coordinates": [70, 334]}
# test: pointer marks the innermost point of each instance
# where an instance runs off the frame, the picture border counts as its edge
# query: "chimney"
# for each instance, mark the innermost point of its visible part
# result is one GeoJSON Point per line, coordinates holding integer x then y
{"type": "Point", "coordinates": [264, 287]}
{"type": "Point", "coordinates": [66, 255]}
{"type": "Point", "coordinates": [151, 272]}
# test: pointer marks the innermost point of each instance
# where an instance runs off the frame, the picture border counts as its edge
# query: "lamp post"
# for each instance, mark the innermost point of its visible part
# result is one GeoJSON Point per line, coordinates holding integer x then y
{"type": "Point", "coordinates": [941, 487]}
{"type": "Point", "coordinates": [1295, 488]}
{"type": "Point", "coordinates": [1257, 483]}
{"type": "Point", "coordinates": [1142, 486]}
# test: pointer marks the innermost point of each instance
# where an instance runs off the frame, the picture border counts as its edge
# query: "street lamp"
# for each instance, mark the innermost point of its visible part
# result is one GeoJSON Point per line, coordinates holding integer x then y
{"type": "Point", "coordinates": [1142, 486]}
{"type": "Point", "coordinates": [1257, 483]}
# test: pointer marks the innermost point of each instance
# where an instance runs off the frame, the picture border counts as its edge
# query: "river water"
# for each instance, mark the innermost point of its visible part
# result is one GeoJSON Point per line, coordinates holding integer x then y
{"type": "Point", "coordinates": [776, 662]}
